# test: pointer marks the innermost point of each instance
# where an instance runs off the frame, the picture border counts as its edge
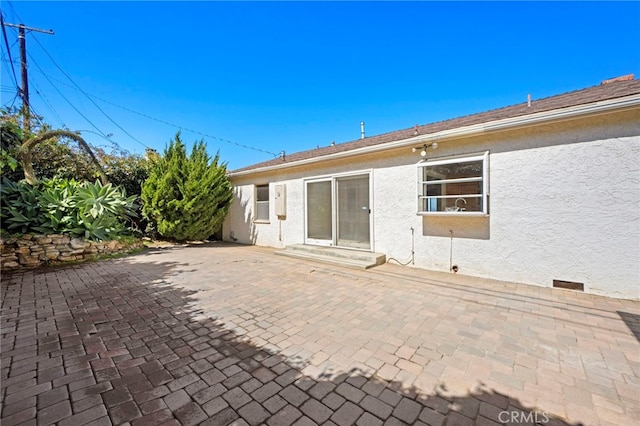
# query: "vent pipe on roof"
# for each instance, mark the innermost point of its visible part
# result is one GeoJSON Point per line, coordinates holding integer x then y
{"type": "Point", "coordinates": [362, 130]}
{"type": "Point", "coordinates": [529, 100]}
{"type": "Point", "coordinates": [333, 143]}
{"type": "Point", "coordinates": [282, 154]}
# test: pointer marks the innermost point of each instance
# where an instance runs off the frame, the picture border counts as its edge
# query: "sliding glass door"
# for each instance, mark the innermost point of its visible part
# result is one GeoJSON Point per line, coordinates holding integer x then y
{"type": "Point", "coordinates": [353, 211]}
{"type": "Point", "coordinates": [338, 212]}
{"type": "Point", "coordinates": [319, 218]}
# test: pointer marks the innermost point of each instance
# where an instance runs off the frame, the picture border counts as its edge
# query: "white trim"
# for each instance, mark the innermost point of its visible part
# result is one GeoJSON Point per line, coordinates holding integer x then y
{"type": "Point", "coordinates": [451, 196]}
{"type": "Point", "coordinates": [449, 160]}
{"type": "Point", "coordinates": [315, 241]}
{"type": "Point", "coordinates": [593, 108]}
{"type": "Point", "coordinates": [454, 214]}
{"type": "Point", "coordinates": [459, 159]}
{"type": "Point", "coordinates": [257, 202]}
{"type": "Point", "coordinates": [461, 180]}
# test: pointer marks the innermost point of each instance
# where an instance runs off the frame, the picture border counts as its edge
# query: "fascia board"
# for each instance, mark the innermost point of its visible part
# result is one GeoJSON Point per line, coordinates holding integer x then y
{"type": "Point", "coordinates": [476, 129]}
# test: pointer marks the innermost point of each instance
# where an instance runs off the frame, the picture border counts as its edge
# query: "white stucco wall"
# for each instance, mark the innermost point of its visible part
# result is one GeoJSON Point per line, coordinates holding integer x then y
{"type": "Point", "coordinates": [564, 204]}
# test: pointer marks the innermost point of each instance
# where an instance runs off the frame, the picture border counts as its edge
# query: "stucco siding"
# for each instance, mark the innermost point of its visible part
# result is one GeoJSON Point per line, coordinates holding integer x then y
{"type": "Point", "coordinates": [564, 203]}
{"type": "Point", "coordinates": [562, 216]}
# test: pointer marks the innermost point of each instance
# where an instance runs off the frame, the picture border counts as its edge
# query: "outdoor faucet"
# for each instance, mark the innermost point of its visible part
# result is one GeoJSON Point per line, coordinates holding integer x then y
{"type": "Point", "coordinates": [456, 203]}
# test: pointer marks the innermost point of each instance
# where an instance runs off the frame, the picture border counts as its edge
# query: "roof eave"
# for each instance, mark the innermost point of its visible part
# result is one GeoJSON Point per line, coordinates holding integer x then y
{"type": "Point", "coordinates": [559, 114]}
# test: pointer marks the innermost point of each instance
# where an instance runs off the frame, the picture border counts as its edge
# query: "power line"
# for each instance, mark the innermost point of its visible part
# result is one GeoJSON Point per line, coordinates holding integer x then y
{"type": "Point", "coordinates": [65, 98]}
{"type": "Point", "coordinates": [24, 93]}
{"type": "Point", "coordinates": [6, 42]}
{"type": "Point", "coordinates": [24, 88]}
{"type": "Point", "coordinates": [14, 10]}
{"type": "Point", "coordinates": [171, 124]}
{"type": "Point", "coordinates": [187, 129]}
{"type": "Point", "coordinates": [46, 101]}
{"type": "Point", "coordinates": [88, 97]}
{"type": "Point", "coordinates": [6, 61]}
{"type": "Point", "coordinates": [128, 109]}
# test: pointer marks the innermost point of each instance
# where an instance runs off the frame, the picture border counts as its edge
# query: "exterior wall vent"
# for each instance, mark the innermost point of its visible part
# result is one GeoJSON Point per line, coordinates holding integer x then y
{"type": "Point", "coordinates": [568, 285]}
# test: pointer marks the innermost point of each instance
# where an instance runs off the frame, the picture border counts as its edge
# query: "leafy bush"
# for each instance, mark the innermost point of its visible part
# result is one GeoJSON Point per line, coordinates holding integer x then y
{"type": "Point", "coordinates": [81, 209]}
{"type": "Point", "coordinates": [20, 211]}
{"type": "Point", "coordinates": [186, 197]}
{"type": "Point", "coordinates": [7, 161]}
{"type": "Point", "coordinates": [126, 170]}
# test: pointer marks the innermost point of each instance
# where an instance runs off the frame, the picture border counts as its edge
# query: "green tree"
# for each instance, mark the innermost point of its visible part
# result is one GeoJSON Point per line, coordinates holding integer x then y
{"type": "Point", "coordinates": [186, 197]}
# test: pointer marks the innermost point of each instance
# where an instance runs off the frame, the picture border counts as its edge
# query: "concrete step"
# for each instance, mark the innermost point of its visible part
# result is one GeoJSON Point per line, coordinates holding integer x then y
{"type": "Point", "coordinates": [335, 256]}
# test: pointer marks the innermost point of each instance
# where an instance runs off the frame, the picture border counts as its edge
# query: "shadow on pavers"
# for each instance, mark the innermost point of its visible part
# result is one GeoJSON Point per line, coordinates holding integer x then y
{"type": "Point", "coordinates": [118, 343]}
{"type": "Point", "coordinates": [632, 321]}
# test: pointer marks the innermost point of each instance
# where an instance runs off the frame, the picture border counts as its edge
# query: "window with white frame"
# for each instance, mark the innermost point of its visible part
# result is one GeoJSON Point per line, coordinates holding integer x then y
{"type": "Point", "coordinates": [455, 186]}
{"type": "Point", "coordinates": [262, 203]}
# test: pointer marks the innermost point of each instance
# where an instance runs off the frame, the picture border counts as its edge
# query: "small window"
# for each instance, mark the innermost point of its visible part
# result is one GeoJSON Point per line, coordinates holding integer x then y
{"type": "Point", "coordinates": [455, 186]}
{"type": "Point", "coordinates": [262, 203]}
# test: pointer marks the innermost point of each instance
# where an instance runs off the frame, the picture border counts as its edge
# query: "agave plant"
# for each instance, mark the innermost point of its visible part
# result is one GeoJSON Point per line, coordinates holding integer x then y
{"type": "Point", "coordinates": [102, 210]}
{"type": "Point", "coordinates": [81, 209]}
{"type": "Point", "coordinates": [20, 209]}
{"type": "Point", "coordinates": [57, 205]}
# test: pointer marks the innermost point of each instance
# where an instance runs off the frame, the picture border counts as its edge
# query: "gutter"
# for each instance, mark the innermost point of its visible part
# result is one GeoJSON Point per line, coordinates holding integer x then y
{"type": "Point", "coordinates": [561, 114]}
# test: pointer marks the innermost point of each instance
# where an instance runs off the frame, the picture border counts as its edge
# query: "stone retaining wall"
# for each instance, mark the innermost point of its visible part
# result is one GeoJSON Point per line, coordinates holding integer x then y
{"type": "Point", "coordinates": [28, 251]}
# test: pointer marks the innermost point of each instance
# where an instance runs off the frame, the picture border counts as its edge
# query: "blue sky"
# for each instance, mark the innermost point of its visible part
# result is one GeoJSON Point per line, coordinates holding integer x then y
{"type": "Point", "coordinates": [295, 75]}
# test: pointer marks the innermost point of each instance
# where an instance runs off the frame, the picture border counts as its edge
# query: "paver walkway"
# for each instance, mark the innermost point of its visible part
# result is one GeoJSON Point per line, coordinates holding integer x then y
{"type": "Point", "coordinates": [225, 334]}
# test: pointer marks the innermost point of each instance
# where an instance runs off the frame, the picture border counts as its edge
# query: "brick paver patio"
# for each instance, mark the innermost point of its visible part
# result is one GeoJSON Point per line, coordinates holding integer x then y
{"type": "Point", "coordinates": [225, 334]}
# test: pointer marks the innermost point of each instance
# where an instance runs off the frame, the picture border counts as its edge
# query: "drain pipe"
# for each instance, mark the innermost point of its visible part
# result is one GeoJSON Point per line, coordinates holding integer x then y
{"type": "Point", "coordinates": [452, 268]}
{"type": "Point", "coordinates": [413, 246]}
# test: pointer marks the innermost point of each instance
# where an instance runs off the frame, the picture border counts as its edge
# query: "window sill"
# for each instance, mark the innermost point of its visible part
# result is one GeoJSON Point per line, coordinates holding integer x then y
{"type": "Point", "coordinates": [262, 221]}
{"type": "Point", "coordinates": [454, 214]}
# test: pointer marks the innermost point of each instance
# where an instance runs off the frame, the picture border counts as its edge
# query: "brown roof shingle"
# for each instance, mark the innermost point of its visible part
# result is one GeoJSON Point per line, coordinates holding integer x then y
{"type": "Point", "coordinates": [610, 90]}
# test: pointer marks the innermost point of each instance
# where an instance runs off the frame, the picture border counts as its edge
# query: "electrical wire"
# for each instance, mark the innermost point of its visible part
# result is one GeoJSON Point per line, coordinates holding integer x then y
{"type": "Point", "coordinates": [13, 9]}
{"type": "Point", "coordinates": [128, 109]}
{"type": "Point", "coordinates": [88, 97]}
{"type": "Point", "coordinates": [65, 98]}
{"type": "Point", "coordinates": [171, 124]}
{"type": "Point", "coordinates": [6, 42]}
{"type": "Point", "coordinates": [49, 105]}
{"type": "Point", "coordinates": [12, 101]}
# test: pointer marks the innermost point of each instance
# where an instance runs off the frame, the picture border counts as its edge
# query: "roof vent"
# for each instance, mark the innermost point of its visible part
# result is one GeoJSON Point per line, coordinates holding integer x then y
{"type": "Point", "coordinates": [282, 154]}
{"type": "Point", "coordinates": [529, 100]}
{"type": "Point", "coordinates": [333, 143]}
{"type": "Point", "coordinates": [362, 130]}
{"type": "Point", "coordinates": [621, 78]}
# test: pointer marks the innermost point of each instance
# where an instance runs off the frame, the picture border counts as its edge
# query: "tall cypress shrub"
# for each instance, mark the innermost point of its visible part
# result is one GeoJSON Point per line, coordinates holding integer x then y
{"type": "Point", "coordinates": [186, 196]}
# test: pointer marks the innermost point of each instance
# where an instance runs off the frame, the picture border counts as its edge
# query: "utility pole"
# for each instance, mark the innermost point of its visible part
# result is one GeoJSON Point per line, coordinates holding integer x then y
{"type": "Point", "coordinates": [24, 91]}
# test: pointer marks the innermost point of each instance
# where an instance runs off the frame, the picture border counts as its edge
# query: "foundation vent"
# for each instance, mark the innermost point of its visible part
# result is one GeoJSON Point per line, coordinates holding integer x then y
{"type": "Point", "coordinates": [568, 285]}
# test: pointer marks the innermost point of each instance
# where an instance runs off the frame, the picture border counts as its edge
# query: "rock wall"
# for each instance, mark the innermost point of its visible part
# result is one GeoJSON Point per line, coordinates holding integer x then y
{"type": "Point", "coordinates": [28, 251]}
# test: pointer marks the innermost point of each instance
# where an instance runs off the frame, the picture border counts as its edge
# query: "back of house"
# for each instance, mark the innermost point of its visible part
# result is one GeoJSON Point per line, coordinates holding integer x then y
{"type": "Point", "coordinates": [544, 193]}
